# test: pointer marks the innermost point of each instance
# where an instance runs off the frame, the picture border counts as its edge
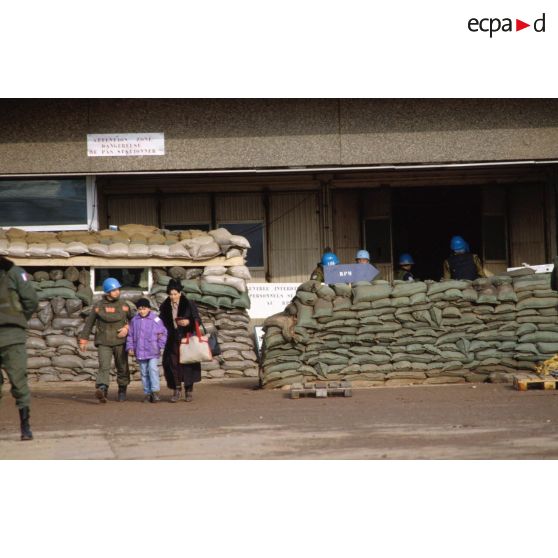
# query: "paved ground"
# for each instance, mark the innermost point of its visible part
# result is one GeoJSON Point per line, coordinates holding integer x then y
{"type": "Point", "coordinates": [233, 420]}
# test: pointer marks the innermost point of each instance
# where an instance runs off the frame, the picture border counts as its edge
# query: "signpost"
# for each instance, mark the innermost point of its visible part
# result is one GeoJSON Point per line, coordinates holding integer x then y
{"type": "Point", "coordinates": [349, 273]}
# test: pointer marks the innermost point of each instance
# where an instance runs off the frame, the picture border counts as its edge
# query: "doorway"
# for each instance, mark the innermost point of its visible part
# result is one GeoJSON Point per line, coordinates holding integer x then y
{"type": "Point", "coordinates": [425, 219]}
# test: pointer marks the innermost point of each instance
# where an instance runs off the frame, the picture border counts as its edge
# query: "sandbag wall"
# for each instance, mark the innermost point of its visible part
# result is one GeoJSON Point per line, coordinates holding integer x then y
{"type": "Point", "coordinates": [130, 241]}
{"type": "Point", "coordinates": [422, 332]}
{"type": "Point", "coordinates": [65, 301]}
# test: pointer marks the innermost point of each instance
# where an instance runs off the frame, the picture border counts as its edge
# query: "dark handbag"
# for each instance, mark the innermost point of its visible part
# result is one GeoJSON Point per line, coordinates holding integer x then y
{"type": "Point", "coordinates": [213, 342]}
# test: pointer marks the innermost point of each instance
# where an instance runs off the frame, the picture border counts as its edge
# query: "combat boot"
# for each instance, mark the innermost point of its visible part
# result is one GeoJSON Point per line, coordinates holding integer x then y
{"type": "Point", "coordinates": [101, 393]}
{"type": "Point", "coordinates": [121, 393]}
{"type": "Point", "coordinates": [26, 433]}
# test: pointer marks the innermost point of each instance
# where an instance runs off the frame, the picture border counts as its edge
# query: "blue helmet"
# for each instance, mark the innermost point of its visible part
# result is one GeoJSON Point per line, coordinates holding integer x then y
{"type": "Point", "coordinates": [458, 244]}
{"type": "Point", "coordinates": [362, 255]}
{"type": "Point", "coordinates": [406, 259]}
{"type": "Point", "coordinates": [329, 258]}
{"type": "Point", "coordinates": [111, 284]}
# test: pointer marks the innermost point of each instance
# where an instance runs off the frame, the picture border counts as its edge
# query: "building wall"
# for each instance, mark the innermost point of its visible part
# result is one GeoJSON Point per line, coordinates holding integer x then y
{"type": "Point", "coordinates": [49, 136]}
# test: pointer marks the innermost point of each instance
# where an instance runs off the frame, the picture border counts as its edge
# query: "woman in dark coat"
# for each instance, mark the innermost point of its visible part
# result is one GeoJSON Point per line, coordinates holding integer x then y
{"type": "Point", "coordinates": [179, 316]}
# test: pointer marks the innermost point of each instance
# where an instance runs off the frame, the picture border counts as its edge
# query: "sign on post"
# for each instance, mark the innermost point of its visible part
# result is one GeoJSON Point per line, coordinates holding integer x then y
{"type": "Point", "coordinates": [349, 273]}
{"type": "Point", "coordinates": [267, 299]}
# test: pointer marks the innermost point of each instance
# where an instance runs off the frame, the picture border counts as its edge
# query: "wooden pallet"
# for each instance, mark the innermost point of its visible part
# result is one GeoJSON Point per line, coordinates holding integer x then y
{"type": "Point", "coordinates": [523, 384]}
{"type": "Point", "coordinates": [321, 389]}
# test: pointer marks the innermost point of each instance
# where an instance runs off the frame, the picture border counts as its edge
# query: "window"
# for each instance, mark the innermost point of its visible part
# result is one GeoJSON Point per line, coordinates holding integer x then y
{"type": "Point", "coordinates": [48, 204]}
{"type": "Point", "coordinates": [378, 240]}
{"type": "Point", "coordinates": [253, 231]}
{"type": "Point", "coordinates": [131, 278]}
{"type": "Point", "coordinates": [187, 226]}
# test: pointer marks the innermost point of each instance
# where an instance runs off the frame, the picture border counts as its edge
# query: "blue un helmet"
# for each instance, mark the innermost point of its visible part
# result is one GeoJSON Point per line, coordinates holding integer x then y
{"type": "Point", "coordinates": [362, 255]}
{"type": "Point", "coordinates": [329, 258]}
{"type": "Point", "coordinates": [458, 244]}
{"type": "Point", "coordinates": [406, 259]}
{"type": "Point", "coordinates": [111, 284]}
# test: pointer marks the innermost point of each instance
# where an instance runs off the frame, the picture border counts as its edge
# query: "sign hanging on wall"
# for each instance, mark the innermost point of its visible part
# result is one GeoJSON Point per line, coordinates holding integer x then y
{"type": "Point", "coordinates": [267, 299]}
{"type": "Point", "coordinates": [125, 145]}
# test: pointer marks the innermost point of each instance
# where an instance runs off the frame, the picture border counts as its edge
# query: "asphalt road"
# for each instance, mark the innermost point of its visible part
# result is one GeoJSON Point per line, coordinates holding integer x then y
{"type": "Point", "coordinates": [233, 420]}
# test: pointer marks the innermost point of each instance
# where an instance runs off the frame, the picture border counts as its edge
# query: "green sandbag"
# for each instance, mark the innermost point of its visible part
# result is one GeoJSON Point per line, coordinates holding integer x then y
{"type": "Point", "coordinates": [448, 294]}
{"type": "Point", "coordinates": [442, 286]}
{"type": "Point", "coordinates": [470, 295]}
{"type": "Point", "coordinates": [85, 294]}
{"type": "Point", "coordinates": [400, 301]}
{"type": "Point", "coordinates": [192, 286]}
{"type": "Point", "coordinates": [370, 292]}
{"type": "Point", "coordinates": [326, 292]}
{"type": "Point", "coordinates": [64, 283]}
{"type": "Point", "coordinates": [548, 348]}
{"type": "Point", "coordinates": [418, 298]}
{"type": "Point", "coordinates": [341, 303]}
{"type": "Point", "coordinates": [215, 289]}
{"type": "Point", "coordinates": [342, 289]}
{"type": "Point", "coordinates": [195, 297]}
{"type": "Point", "coordinates": [309, 286]}
{"type": "Point", "coordinates": [243, 301]}
{"type": "Point", "coordinates": [507, 294]}
{"type": "Point", "coordinates": [322, 309]}
{"type": "Point", "coordinates": [537, 302]}
{"type": "Point", "coordinates": [210, 301]}
{"type": "Point", "coordinates": [64, 292]}
{"type": "Point", "coordinates": [408, 288]}
{"type": "Point", "coordinates": [306, 297]}
{"type": "Point", "coordinates": [225, 302]}
{"type": "Point", "coordinates": [274, 340]}
{"type": "Point", "coordinates": [163, 280]}
{"type": "Point", "coordinates": [304, 316]}
{"type": "Point", "coordinates": [540, 337]}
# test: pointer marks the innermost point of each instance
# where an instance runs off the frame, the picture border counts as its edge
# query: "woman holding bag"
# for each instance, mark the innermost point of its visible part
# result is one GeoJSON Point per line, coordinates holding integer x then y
{"type": "Point", "coordinates": [179, 316]}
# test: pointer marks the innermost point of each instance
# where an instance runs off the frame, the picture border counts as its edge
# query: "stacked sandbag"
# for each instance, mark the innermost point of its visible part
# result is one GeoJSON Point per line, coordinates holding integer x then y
{"type": "Point", "coordinates": [221, 295]}
{"type": "Point", "coordinates": [413, 332]}
{"type": "Point", "coordinates": [130, 241]}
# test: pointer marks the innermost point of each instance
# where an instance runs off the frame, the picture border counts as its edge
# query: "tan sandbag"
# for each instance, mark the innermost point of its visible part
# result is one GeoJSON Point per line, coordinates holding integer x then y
{"type": "Point", "coordinates": [159, 251]}
{"type": "Point", "coordinates": [138, 238]}
{"type": "Point", "coordinates": [4, 247]}
{"type": "Point", "coordinates": [76, 248]}
{"type": "Point", "coordinates": [71, 274]}
{"type": "Point", "coordinates": [233, 253]}
{"type": "Point", "coordinates": [98, 249]}
{"type": "Point", "coordinates": [156, 238]}
{"type": "Point", "coordinates": [214, 270]}
{"type": "Point", "coordinates": [239, 241]}
{"type": "Point", "coordinates": [57, 249]}
{"type": "Point", "coordinates": [136, 228]}
{"type": "Point", "coordinates": [15, 234]}
{"type": "Point", "coordinates": [138, 251]}
{"type": "Point", "coordinates": [236, 282]}
{"type": "Point", "coordinates": [37, 250]}
{"type": "Point", "coordinates": [17, 249]}
{"type": "Point", "coordinates": [179, 250]}
{"type": "Point", "coordinates": [240, 271]}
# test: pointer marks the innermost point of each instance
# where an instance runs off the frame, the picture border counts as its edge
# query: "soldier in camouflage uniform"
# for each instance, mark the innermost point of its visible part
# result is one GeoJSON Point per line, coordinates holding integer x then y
{"type": "Point", "coordinates": [328, 258]}
{"type": "Point", "coordinates": [18, 301]}
{"type": "Point", "coordinates": [111, 316]}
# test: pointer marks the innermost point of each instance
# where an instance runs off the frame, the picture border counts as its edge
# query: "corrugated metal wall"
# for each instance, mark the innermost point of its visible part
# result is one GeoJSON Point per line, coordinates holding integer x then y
{"type": "Point", "coordinates": [294, 236]}
{"type": "Point", "coordinates": [138, 209]}
{"type": "Point", "coordinates": [231, 208]}
{"type": "Point", "coordinates": [346, 224]}
{"type": "Point", "coordinates": [187, 209]}
{"type": "Point", "coordinates": [526, 224]}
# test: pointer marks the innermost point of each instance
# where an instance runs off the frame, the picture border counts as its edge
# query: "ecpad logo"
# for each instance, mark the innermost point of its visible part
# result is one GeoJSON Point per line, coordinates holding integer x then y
{"type": "Point", "coordinates": [492, 25]}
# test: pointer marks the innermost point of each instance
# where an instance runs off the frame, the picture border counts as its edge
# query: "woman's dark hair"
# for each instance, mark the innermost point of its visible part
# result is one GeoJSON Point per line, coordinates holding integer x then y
{"type": "Point", "coordinates": [174, 285]}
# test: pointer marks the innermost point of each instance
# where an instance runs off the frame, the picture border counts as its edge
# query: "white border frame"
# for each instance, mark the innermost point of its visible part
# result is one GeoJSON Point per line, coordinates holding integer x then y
{"type": "Point", "coordinates": [222, 222]}
{"type": "Point", "coordinates": [92, 222]}
{"type": "Point", "coordinates": [149, 277]}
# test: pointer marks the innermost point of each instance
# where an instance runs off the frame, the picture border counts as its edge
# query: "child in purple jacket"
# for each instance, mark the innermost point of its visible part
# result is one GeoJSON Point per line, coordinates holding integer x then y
{"type": "Point", "coordinates": [146, 339]}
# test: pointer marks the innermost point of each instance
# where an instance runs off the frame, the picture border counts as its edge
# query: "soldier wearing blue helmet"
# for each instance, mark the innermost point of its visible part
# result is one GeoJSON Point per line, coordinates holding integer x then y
{"type": "Point", "coordinates": [461, 264]}
{"type": "Point", "coordinates": [111, 316]}
{"type": "Point", "coordinates": [404, 272]}
{"type": "Point", "coordinates": [328, 258]}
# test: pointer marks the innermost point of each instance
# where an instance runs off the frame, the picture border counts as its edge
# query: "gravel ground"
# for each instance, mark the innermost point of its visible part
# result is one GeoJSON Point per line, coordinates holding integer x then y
{"type": "Point", "coordinates": [234, 420]}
